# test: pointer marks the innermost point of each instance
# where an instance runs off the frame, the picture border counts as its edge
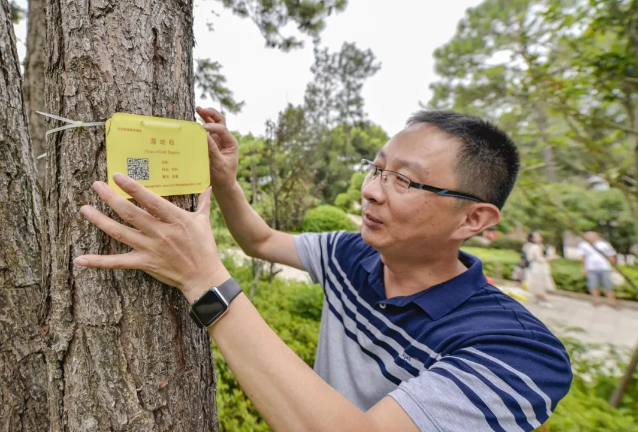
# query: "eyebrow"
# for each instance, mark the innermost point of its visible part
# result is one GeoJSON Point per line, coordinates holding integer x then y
{"type": "Point", "coordinates": [414, 166]}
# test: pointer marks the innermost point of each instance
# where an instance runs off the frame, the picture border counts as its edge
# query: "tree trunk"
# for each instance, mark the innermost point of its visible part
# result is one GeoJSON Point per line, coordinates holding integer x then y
{"type": "Point", "coordinates": [625, 381]}
{"type": "Point", "coordinates": [124, 354]}
{"type": "Point", "coordinates": [23, 380]}
{"type": "Point", "coordinates": [34, 82]}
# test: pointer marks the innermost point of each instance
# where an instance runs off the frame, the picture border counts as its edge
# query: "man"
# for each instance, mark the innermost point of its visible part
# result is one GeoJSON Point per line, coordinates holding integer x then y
{"type": "Point", "coordinates": [596, 255]}
{"type": "Point", "coordinates": [412, 336]}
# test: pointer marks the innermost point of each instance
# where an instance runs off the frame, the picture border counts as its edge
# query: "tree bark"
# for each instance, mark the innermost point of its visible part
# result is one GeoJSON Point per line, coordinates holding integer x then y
{"type": "Point", "coordinates": [23, 385]}
{"type": "Point", "coordinates": [124, 354]}
{"type": "Point", "coordinates": [34, 81]}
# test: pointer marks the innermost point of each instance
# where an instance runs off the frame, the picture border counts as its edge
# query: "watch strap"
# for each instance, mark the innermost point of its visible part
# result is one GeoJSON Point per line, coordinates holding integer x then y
{"type": "Point", "coordinates": [228, 290]}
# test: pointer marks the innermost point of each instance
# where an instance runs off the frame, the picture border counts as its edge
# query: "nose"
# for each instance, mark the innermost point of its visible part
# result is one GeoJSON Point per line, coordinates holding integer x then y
{"type": "Point", "coordinates": [374, 191]}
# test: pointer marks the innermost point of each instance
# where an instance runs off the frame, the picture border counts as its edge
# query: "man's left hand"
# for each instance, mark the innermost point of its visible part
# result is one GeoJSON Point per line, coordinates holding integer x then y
{"type": "Point", "coordinates": [175, 246]}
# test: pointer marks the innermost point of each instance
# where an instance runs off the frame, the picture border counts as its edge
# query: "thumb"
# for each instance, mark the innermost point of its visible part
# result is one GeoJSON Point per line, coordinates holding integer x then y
{"type": "Point", "coordinates": [203, 201]}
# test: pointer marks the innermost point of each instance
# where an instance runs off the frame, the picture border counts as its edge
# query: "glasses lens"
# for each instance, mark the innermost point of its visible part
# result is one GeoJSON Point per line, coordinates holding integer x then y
{"type": "Point", "coordinates": [399, 182]}
{"type": "Point", "coordinates": [368, 169]}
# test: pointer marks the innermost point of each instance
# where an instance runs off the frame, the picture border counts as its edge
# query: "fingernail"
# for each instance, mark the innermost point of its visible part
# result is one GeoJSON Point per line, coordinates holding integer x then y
{"type": "Point", "coordinates": [119, 178]}
{"type": "Point", "coordinates": [98, 186]}
{"type": "Point", "coordinates": [85, 210]}
{"type": "Point", "coordinates": [81, 261]}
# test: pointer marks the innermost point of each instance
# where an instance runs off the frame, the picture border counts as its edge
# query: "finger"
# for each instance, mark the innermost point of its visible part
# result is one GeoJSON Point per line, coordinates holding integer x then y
{"type": "Point", "coordinates": [203, 202]}
{"type": "Point", "coordinates": [130, 260]}
{"type": "Point", "coordinates": [214, 145]}
{"type": "Point", "coordinates": [154, 204]}
{"type": "Point", "coordinates": [116, 231]}
{"type": "Point", "coordinates": [211, 115]}
{"type": "Point", "coordinates": [129, 212]}
{"type": "Point", "coordinates": [228, 141]}
{"type": "Point", "coordinates": [216, 139]}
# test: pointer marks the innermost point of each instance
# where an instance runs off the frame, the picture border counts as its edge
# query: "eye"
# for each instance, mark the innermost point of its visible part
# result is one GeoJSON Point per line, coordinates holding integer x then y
{"type": "Point", "coordinates": [403, 181]}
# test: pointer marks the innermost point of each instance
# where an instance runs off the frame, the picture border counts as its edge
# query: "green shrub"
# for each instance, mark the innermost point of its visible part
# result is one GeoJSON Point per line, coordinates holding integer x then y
{"type": "Point", "coordinates": [293, 311]}
{"type": "Point", "coordinates": [326, 218]}
{"type": "Point", "coordinates": [344, 202]}
{"type": "Point", "coordinates": [507, 243]}
{"type": "Point", "coordinates": [476, 242]}
{"type": "Point", "coordinates": [496, 262]}
{"type": "Point", "coordinates": [499, 263]}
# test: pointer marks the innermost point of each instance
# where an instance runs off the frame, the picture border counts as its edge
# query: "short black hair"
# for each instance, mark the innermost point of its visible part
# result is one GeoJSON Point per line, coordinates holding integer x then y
{"type": "Point", "coordinates": [488, 160]}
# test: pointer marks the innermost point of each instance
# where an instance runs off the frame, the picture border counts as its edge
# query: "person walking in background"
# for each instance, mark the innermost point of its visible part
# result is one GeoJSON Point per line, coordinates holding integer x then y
{"type": "Point", "coordinates": [597, 268]}
{"type": "Point", "coordinates": [538, 273]}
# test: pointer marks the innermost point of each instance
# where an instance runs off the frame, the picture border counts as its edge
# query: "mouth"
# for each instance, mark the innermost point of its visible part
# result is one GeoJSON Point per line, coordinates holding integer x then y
{"type": "Point", "coordinates": [370, 221]}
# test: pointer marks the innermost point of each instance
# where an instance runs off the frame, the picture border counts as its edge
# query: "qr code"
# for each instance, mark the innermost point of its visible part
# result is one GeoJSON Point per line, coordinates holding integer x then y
{"type": "Point", "coordinates": [137, 169]}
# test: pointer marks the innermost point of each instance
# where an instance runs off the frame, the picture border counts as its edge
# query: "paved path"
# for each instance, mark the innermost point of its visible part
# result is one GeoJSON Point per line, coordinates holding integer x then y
{"type": "Point", "coordinates": [597, 324]}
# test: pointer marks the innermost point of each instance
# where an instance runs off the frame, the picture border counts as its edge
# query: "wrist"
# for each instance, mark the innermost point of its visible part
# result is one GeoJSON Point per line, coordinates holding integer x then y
{"type": "Point", "coordinates": [226, 184]}
{"type": "Point", "coordinates": [197, 287]}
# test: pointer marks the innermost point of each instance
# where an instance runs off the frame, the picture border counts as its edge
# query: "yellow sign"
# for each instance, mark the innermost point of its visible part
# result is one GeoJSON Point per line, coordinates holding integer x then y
{"type": "Point", "coordinates": [169, 157]}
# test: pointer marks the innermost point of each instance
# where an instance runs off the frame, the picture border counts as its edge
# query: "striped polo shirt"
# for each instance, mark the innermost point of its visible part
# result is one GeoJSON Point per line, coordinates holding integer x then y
{"type": "Point", "coordinates": [459, 356]}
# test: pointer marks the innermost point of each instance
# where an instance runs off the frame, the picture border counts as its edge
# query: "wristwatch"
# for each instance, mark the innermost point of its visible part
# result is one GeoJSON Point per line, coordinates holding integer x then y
{"type": "Point", "coordinates": [211, 306]}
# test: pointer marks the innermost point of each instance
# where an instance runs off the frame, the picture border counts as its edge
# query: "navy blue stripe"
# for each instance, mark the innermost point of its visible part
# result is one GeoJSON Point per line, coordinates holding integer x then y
{"type": "Point", "coordinates": [538, 403]}
{"type": "Point", "coordinates": [474, 398]}
{"type": "Point", "coordinates": [366, 316]}
{"type": "Point", "coordinates": [508, 400]}
{"type": "Point", "coordinates": [380, 343]}
{"type": "Point", "coordinates": [379, 362]}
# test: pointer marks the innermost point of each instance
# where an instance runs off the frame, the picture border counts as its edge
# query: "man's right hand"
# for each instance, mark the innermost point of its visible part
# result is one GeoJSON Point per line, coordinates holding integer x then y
{"type": "Point", "coordinates": [222, 148]}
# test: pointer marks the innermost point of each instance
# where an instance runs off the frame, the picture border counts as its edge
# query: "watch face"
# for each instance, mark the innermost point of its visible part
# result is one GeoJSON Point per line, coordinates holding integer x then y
{"type": "Point", "coordinates": [210, 307]}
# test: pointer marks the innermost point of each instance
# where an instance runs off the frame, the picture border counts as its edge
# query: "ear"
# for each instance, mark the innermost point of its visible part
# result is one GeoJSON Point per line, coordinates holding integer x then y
{"type": "Point", "coordinates": [478, 218]}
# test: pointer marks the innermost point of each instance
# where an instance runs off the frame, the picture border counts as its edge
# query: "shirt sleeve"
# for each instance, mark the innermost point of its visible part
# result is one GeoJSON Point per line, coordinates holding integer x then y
{"type": "Point", "coordinates": [489, 386]}
{"type": "Point", "coordinates": [310, 248]}
{"type": "Point", "coordinates": [608, 250]}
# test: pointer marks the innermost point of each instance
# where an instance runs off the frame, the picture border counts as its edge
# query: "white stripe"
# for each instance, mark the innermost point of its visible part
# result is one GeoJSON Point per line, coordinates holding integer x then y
{"type": "Point", "coordinates": [442, 402]}
{"type": "Point", "coordinates": [525, 405]}
{"type": "Point", "coordinates": [371, 327]}
{"type": "Point", "coordinates": [362, 338]}
{"type": "Point", "coordinates": [503, 414]}
{"type": "Point", "coordinates": [415, 343]}
{"type": "Point", "coordinates": [527, 380]}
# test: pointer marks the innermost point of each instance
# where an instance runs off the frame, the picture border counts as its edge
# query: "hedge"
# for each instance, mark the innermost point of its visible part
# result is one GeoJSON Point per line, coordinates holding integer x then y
{"type": "Point", "coordinates": [326, 218]}
{"type": "Point", "coordinates": [566, 273]}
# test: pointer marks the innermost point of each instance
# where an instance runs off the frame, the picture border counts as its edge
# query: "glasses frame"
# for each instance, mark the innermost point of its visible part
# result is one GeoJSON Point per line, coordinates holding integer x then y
{"type": "Point", "coordinates": [413, 184]}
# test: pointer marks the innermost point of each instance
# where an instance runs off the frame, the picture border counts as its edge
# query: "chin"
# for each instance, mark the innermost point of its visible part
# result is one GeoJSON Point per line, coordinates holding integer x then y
{"type": "Point", "coordinates": [373, 238]}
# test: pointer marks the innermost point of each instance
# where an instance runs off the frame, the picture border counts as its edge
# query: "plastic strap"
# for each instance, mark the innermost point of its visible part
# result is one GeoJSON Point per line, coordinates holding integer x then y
{"type": "Point", "coordinates": [72, 123]}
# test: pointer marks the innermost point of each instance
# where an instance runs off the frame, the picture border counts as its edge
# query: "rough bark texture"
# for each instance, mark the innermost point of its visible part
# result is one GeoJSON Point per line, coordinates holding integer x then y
{"type": "Point", "coordinates": [34, 81]}
{"type": "Point", "coordinates": [124, 354]}
{"type": "Point", "coordinates": [23, 388]}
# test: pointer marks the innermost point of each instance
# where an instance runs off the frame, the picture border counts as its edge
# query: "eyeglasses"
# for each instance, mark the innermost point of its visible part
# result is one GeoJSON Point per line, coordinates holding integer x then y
{"type": "Point", "coordinates": [401, 183]}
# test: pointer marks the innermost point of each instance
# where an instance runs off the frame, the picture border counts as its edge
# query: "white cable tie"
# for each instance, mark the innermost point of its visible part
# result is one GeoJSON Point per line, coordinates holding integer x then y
{"type": "Point", "coordinates": [41, 156]}
{"type": "Point", "coordinates": [72, 123]}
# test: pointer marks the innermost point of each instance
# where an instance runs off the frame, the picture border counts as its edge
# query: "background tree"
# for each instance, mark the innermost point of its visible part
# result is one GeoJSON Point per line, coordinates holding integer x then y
{"type": "Point", "coordinates": [23, 380]}
{"type": "Point", "coordinates": [270, 17]}
{"type": "Point", "coordinates": [124, 354]}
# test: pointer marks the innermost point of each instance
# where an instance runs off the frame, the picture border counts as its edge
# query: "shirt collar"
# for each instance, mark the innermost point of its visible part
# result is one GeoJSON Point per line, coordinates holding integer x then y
{"type": "Point", "coordinates": [439, 300]}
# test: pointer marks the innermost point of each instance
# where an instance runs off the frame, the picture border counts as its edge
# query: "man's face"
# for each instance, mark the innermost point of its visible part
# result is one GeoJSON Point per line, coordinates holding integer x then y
{"type": "Point", "coordinates": [407, 222]}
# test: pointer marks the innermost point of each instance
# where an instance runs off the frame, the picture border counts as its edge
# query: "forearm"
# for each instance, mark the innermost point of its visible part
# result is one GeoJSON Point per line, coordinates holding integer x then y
{"type": "Point", "coordinates": [245, 225]}
{"type": "Point", "coordinates": [287, 393]}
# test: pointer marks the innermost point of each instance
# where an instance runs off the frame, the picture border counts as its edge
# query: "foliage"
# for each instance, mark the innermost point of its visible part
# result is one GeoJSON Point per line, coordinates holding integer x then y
{"type": "Point", "coordinates": [212, 84]}
{"type": "Point", "coordinates": [532, 205]}
{"type": "Point", "coordinates": [271, 16]}
{"type": "Point", "coordinates": [17, 13]}
{"type": "Point", "coordinates": [326, 218]}
{"type": "Point", "coordinates": [566, 273]}
{"type": "Point", "coordinates": [346, 200]}
{"type": "Point", "coordinates": [585, 408]}
{"type": "Point", "coordinates": [293, 311]}
{"type": "Point", "coordinates": [507, 243]}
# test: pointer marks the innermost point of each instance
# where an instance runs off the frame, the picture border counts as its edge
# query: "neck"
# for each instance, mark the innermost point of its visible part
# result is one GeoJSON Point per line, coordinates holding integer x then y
{"type": "Point", "coordinates": [406, 276]}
